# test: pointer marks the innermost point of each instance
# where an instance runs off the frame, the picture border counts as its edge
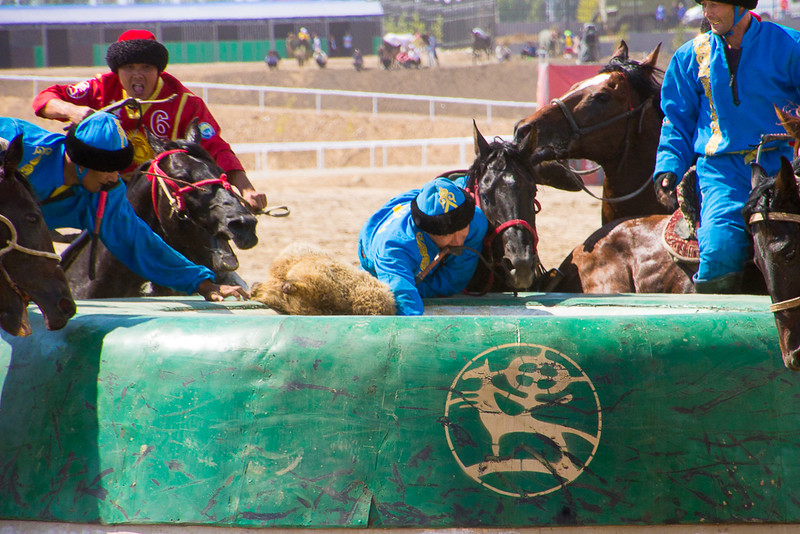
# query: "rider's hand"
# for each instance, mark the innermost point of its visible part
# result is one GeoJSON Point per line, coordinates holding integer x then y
{"type": "Point", "coordinates": [213, 292]}
{"type": "Point", "coordinates": [665, 183]}
{"type": "Point", "coordinates": [255, 199]}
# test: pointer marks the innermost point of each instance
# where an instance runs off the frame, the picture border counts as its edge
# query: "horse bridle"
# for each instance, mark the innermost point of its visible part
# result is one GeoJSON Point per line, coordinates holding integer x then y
{"type": "Point", "coordinates": [780, 216]}
{"type": "Point", "coordinates": [174, 192]}
{"type": "Point", "coordinates": [472, 189]}
{"type": "Point", "coordinates": [578, 132]}
{"type": "Point", "coordinates": [13, 244]}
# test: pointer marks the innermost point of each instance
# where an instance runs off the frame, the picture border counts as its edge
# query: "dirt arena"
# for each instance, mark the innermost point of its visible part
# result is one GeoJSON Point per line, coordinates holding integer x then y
{"type": "Point", "coordinates": [328, 208]}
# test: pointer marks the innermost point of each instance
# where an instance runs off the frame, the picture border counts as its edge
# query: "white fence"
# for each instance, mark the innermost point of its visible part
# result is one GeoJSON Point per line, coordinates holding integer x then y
{"type": "Point", "coordinates": [318, 95]}
{"type": "Point", "coordinates": [262, 151]}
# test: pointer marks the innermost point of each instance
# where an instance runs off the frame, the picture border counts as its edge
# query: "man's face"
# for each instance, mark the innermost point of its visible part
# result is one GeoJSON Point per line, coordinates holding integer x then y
{"type": "Point", "coordinates": [138, 79]}
{"type": "Point", "coordinates": [719, 15]}
{"type": "Point", "coordinates": [93, 181]}
{"type": "Point", "coordinates": [456, 239]}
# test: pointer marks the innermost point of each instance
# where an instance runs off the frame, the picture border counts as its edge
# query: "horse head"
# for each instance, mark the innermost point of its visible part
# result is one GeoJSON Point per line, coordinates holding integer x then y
{"type": "Point", "coordinates": [195, 208]}
{"type": "Point", "coordinates": [773, 215]}
{"type": "Point", "coordinates": [504, 186]}
{"type": "Point", "coordinates": [29, 266]}
{"type": "Point", "coordinates": [614, 119]}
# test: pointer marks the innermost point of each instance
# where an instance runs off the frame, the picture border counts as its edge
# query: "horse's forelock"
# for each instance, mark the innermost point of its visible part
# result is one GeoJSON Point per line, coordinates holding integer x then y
{"type": "Point", "coordinates": [644, 79]}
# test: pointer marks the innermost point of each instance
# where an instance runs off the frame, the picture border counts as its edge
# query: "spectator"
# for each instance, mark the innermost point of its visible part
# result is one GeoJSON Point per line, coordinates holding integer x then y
{"type": "Point", "coordinates": [347, 42]}
{"type": "Point", "coordinates": [272, 59]}
{"type": "Point", "coordinates": [358, 60]}
{"type": "Point", "coordinates": [138, 62]}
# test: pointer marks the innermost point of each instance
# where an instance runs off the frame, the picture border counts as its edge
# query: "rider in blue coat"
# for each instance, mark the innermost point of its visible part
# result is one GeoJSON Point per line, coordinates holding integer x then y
{"type": "Point", "coordinates": [67, 174]}
{"type": "Point", "coordinates": [717, 97]}
{"type": "Point", "coordinates": [413, 243]}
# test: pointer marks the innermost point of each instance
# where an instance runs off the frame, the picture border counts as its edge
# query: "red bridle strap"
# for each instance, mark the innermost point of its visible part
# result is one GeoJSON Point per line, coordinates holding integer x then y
{"type": "Point", "coordinates": [176, 193]}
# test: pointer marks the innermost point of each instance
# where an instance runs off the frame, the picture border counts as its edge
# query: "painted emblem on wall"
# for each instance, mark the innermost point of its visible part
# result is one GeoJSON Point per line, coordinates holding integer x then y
{"type": "Point", "coordinates": [523, 420]}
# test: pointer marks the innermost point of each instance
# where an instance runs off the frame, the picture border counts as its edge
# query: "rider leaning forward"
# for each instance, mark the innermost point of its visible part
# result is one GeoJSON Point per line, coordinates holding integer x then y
{"type": "Point", "coordinates": [717, 98]}
{"type": "Point", "coordinates": [137, 62]}
{"type": "Point", "coordinates": [67, 174]}
{"type": "Point", "coordinates": [405, 243]}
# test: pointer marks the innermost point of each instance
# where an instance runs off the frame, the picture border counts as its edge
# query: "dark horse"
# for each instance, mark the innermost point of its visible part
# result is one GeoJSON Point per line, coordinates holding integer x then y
{"type": "Point", "coordinates": [481, 44]}
{"type": "Point", "coordinates": [613, 119]}
{"type": "Point", "coordinates": [503, 185]}
{"type": "Point", "coordinates": [773, 216]}
{"type": "Point", "coordinates": [29, 265]}
{"type": "Point", "coordinates": [186, 199]}
{"type": "Point", "coordinates": [772, 213]}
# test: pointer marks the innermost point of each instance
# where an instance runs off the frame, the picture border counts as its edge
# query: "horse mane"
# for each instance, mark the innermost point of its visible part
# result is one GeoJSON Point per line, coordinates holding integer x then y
{"type": "Point", "coordinates": [644, 79]}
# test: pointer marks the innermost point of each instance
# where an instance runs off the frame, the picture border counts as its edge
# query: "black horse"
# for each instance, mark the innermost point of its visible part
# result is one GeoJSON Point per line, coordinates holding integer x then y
{"type": "Point", "coordinates": [504, 186]}
{"type": "Point", "coordinates": [29, 266]}
{"type": "Point", "coordinates": [773, 216]}
{"type": "Point", "coordinates": [185, 198]}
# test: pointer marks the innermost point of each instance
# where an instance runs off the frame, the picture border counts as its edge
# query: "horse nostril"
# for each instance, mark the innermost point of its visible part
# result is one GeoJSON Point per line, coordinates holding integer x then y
{"type": "Point", "coordinates": [67, 306]}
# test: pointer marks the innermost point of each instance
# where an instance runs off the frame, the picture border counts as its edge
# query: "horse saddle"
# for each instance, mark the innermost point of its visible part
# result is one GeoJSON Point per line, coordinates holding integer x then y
{"type": "Point", "coordinates": [679, 240]}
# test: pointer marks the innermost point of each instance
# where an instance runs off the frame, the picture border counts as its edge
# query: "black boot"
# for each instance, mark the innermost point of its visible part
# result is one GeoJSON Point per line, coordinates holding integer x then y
{"type": "Point", "coordinates": [730, 283]}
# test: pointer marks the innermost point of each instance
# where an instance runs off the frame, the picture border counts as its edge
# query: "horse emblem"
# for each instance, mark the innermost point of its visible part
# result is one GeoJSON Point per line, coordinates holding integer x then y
{"type": "Point", "coordinates": [522, 420]}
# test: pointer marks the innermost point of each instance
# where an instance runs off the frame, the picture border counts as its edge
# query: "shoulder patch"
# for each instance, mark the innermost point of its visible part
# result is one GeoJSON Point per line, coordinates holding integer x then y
{"type": "Point", "coordinates": [207, 131]}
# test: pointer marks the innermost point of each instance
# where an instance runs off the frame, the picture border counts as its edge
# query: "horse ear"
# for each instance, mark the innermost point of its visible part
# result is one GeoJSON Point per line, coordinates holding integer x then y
{"type": "Point", "coordinates": [621, 53]}
{"type": "Point", "coordinates": [652, 58]}
{"type": "Point", "coordinates": [757, 175]}
{"type": "Point", "coordinates": [193, 131]}
{"type": "Point", "coordinates": [785, 182]}
{"type": "Point", "coordinates": [481, 146]}
{"type": "Point", "coordinates": [13, 155]}
{"type": "Point", "coordinates": [790, 123]}
{"type": "Point", "coordinates": [155, 142]}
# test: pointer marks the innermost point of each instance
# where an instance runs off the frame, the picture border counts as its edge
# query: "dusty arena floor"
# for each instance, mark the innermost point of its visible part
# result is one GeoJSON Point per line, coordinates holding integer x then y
{"type": "Point", "coordinates": [328, 208]}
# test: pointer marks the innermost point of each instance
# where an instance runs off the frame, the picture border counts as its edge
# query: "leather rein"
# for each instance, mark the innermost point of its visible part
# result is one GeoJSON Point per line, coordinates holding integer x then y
{"type": "Point", "coordinates": [578, 132]}
{"type": "Point", "coordinates": [780, 216]}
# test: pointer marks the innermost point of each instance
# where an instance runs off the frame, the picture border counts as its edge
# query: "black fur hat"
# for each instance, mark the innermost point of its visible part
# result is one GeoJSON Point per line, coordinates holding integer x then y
{"type": "Point", "coordinates": [137, 46]}
{"type": "Point", "coordinates": [442, 208]}
{"type": "Point", "coordinates": [747, 4]}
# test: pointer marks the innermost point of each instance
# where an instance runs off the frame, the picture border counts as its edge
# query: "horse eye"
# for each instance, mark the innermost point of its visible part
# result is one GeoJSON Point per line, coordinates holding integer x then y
{"type": "Point", "coordinates": [32, 218]}
{"type": "Point", "coordinates": [484, 199]}
{"type": "Point", "coordinates": [601, 97]}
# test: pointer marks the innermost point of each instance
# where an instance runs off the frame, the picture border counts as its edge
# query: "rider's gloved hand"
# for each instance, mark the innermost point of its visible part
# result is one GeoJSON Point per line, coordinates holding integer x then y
{"type": "Point", "coordinates": [665, 183]}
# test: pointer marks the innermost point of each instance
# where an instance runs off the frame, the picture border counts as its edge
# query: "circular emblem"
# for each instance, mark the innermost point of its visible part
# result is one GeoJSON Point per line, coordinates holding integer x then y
{"type": "Point", "coordinates": [523, 420]}
{"type": "Point", "coordinates": [77, 90]}
{"type": "Point", "coordinates": [207, 131]}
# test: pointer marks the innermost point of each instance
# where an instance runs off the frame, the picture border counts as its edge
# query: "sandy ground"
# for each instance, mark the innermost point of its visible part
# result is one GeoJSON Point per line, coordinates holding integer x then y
{"type": "Point", "coordinates": [328, 208]}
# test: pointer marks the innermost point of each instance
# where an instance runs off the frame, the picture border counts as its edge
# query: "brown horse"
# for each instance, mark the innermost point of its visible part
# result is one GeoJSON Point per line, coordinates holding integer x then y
{"type": "Point", "coordinates": [28, 263]}
{"type": "Point", "coordinates": [773, 215]}
{"type": "Point", "coordinates": [613, 119]}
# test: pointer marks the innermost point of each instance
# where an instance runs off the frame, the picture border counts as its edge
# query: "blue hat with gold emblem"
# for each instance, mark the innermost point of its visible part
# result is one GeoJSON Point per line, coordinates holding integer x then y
{"type": "Point", "coordinates": [98, 142]}
{"type": "Point", "coordinates": [442, 208]}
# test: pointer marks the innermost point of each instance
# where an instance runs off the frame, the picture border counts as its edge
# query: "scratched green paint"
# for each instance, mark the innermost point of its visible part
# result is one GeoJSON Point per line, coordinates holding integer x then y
{"type": "Point", "coordinates": [180, 411]}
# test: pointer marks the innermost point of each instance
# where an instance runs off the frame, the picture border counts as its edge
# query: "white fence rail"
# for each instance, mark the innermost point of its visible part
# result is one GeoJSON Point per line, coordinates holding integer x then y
{"type": "Point", "coordinates": [318, 94]}
{"type": "Point", "coordinates": [262, 151]}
